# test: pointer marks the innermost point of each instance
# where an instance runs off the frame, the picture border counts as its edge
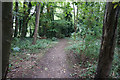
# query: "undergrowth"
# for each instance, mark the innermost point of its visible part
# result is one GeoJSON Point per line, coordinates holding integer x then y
{"type": "Point", "coordinates": [86, 53]}
{"type": "Point", "coordinates": [24, 53]}
{"type": "Point", "coordinates": [27, 46]}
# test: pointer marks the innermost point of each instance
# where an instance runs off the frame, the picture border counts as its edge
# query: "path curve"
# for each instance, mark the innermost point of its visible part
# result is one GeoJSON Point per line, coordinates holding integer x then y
{"type": "Point", "coordinates": [54, 63]}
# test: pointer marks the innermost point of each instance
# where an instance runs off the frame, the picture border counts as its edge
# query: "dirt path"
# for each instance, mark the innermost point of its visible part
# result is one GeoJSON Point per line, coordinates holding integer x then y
{"type": "Point", "coordinates": [54, 63]}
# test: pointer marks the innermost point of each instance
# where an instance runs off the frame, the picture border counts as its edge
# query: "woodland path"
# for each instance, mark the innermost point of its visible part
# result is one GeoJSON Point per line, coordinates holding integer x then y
{"type": "Point", "coordinates": [54, 63]}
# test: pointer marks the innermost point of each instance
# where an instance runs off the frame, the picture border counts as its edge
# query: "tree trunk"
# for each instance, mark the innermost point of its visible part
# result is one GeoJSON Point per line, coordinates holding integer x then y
{"type": "Point", "coordinates": [74, 21]}
{"type": "Point", "coordinates": [30, 32]}
{"type": "Point", "coordinates": [41, 14]}
{"type": "Point", "coordinates": [52, 13]}
{"type": "Point", "coordinates": [118, 42]}
{"type": "Point", "coordinates": [6, 35]}
{"type": "Point", "coordinates": [36, 22]}
{"type": "Point", "coordinates": [74, 16]}
{"type": "Point", "coordinates": [108, 41]}
{"type": "Point", "coordinates": [25, 20]}
{"type": "Point", "coordinates": [23, 26]}
{"type": "Point", "coordinates": [27, 17]}
{"type": "Point", "coordinates": [77, 12]}
{"type": "Point", "coordinates": [16, 20]}
{"type": "Point", "coordinates": [20, 27]}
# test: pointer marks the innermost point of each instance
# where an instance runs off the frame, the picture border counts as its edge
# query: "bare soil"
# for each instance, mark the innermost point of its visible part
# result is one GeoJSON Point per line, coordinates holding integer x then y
{"type": "Point", "coordinates": [54, 64]}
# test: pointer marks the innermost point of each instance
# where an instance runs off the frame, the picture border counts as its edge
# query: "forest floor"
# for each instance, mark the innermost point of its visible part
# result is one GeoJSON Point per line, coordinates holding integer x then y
{"type": "Point", "coordinates": [63, 58]}
{"type": "Point", "coordinates": [54, 64]}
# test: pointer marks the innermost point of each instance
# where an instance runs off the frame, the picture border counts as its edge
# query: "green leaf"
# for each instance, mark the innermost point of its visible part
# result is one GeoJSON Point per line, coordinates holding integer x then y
{"type": "Point", "coordinates": [113, 2]}
{"type": "Point", "coordinates": [25, 5]}
{"type": "Point", "coordinates": [115, 6]}
{"type": "Point", "coordinates": [65, 14]}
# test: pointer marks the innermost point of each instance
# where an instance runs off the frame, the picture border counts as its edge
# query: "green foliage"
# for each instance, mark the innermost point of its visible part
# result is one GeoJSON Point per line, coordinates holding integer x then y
{"type": "Point", "coordinates": [115, 71]}
{"type": "Point", "coordinates": [56, 28]}
{"type": "Point", "coordinates": [89, 29]}
{"type": "Point", "coordinates": [116, 4]}
{"type": "Point", "coordinates": [28, 47]}
{"type": "Point", "coordinates": [54, 38]}
{"type": "Point", "coordinates": [89, 48]}
{"type": "Point", "coordinates": [89, 71]}
{"type": "Point", "coordinates": [90, 24]}
{"type": "Point", "coordinates": [87, 39]}
{"type": "Point", "coordinates": [59, 29]}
